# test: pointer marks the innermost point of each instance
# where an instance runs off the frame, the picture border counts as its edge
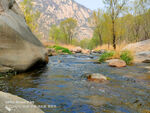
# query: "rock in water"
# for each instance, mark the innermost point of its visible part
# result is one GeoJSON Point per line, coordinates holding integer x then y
{"type": "Point", "coordinates": [19, 48]}
{"type": "Point", "coordinates": [116, 63]}
{"type": "Point", "coordinates": [146, 61]}
{"type": "Point", "coordinates": [97, 77]}
{"type": "Point", "coordinates": [76, 50]}
{"type": "Point", "coordinates": [86, 51]}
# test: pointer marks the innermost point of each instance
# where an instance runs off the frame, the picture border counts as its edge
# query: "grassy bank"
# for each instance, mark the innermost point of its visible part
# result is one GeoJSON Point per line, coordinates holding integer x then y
{"type": "Point", "coordinates": [124, 55]}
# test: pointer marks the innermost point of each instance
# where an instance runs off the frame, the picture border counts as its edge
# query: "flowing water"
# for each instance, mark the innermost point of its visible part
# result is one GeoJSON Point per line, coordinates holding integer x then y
{"type": "Point", "coordinates": [61, 83]}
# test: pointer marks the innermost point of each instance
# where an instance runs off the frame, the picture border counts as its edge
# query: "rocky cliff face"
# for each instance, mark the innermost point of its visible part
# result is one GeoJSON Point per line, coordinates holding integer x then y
{"type": "Point", "coordinates": [54, 11]}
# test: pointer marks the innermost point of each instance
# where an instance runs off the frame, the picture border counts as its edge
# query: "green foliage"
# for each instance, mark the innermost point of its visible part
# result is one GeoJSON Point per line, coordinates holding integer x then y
{"type": "Point", "coordinates": [75, 42]}
{"type": "Point", "coordinates": [62, 49]}
{"type": "Point", "coordinates": [84, 43]}
{"type": "Point", "coordinates": [105, 56]}
{"type": "Point", "coordinates": [127, 56]}
{"type": "Point", "coordinates": [101, 24]}
{"type": "Point", "coordinates": [115, 8]}
{"type": "Point", "coordinates": [68, 28]}
{"type": "Point", "coordinates": [117, 25]}
{"type": "Point", "coordinates": [65, 32]}
{"type": "Point", "coordinates": [56, 34]}
{"type": "Point", "coordinates": [31, 16]}
{"type": "Point", "coordinates": [97, 21]}
{"type": "Point", "coordinates": [88, 43]}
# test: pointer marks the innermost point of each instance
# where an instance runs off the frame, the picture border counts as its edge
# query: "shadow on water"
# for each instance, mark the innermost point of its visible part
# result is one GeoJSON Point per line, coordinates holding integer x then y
{"type": "Point", "coordinates": [60, 84]}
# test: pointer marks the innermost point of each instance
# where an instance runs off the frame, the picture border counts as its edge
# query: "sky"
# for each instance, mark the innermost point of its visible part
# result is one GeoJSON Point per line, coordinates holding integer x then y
{"type": "Point", "coordinates": [91, 4]}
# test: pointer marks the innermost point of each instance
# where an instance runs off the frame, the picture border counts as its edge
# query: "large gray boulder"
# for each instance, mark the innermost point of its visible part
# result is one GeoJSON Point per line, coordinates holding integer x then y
{"type": "Point", "coordinates": [141, 50]}
{"type": "Point", "coordinates": [19, 48]}
{"type": "Point", "coordinates": [13, 104]}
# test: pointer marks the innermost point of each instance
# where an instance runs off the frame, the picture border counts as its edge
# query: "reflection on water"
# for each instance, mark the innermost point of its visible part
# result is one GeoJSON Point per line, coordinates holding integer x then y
{"type": "Point", "coordinates": [61, 84]}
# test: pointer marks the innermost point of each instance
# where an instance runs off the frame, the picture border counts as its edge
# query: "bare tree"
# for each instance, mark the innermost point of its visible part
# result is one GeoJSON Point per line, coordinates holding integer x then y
{"type": "Point", "coordinates": [115, 8]}
{"type": "Point", "coordinates": [96, 21]}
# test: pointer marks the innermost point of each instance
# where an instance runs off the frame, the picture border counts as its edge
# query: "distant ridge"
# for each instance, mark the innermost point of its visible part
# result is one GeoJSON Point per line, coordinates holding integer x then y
{"type": "Point", "coordinates": [54, 11]}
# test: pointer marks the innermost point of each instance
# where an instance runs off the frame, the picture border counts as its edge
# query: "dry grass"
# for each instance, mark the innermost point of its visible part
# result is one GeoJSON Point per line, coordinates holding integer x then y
{"type": "Point", "coordinates": [70, 47]}
{"type": "Point", "coordinates": [105, 47]}
{"type": "Point", "coordinates": [110, 47]}
{"type": "Point", "coordinates": [46, 43]}
{"type": "Point", "coordinates": [50, 43]}
{"type": "Point", "coordinates": [117, 51]}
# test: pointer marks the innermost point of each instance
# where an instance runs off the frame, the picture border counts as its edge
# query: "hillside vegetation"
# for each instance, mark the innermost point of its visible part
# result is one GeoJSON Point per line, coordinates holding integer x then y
{"type": "Point", "coordinates": [120, 23]}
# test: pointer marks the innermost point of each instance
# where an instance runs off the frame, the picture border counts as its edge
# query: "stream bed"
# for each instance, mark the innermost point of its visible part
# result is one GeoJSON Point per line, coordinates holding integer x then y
{"type": "Point", "coordinates": [60, 83]}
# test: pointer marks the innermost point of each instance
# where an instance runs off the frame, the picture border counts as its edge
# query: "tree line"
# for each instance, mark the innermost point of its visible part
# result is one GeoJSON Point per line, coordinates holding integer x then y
{"type": "Point", "coordinates": [122, 21]}
{"type": "Point", "coordinates": [65, 32]}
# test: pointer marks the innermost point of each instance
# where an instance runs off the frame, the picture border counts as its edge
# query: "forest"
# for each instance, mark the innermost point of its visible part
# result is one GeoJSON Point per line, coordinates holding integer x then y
{"type": "Point", "coordinates": [121, 22]}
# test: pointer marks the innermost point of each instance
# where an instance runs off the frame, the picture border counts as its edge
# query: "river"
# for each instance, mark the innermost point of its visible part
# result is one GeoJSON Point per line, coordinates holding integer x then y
{"type": "Point", "coordinates": [61, 83]}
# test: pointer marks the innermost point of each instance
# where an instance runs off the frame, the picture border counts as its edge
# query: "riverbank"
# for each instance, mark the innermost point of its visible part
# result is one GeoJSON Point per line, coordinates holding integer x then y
{"type": "Point", "coordinates": [140, 50]}
{"type": "Point", "coordinates": [13, 104]}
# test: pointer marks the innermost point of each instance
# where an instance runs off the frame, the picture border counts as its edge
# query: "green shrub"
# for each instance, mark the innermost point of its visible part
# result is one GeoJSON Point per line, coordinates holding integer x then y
{"type": "Point", "coordinates": [62, 49]}
{"type": "Point", "coordinates": [127, 56]}
{"type": "Point", "coordinates": [106, 56]}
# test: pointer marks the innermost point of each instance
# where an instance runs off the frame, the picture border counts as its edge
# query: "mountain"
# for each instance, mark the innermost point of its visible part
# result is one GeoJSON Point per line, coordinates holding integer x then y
{"type": "Point", "coordinates": [54, 11]}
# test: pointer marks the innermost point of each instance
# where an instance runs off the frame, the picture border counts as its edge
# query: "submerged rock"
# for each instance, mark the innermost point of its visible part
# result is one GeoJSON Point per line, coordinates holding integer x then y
{"type": "Point", "coordinates": [19, 48]}
{"type": "Point", "coordinates": [116, 63]}
{"type": "Point", "coordinates": [97, 100]}
{"type": "Point", "coordinates": [13, 104]}
{"type": "Point", "coordinates": [97, 77]}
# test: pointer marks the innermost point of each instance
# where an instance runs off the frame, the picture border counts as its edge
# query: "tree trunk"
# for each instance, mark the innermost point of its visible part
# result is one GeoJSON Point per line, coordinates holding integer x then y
{"type": "Point", "coordinates": [108, 45]}
{"type": "Point", "coordinates": [114, 36]}
{"type": "Point", "coordinates": [146, 34]}
{"type": "Point", "coordinates": [100, 39]}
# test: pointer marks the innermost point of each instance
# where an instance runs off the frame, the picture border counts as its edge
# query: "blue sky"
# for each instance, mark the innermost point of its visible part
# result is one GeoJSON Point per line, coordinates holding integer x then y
{"type": "Point", "coordinates": [91, 4]}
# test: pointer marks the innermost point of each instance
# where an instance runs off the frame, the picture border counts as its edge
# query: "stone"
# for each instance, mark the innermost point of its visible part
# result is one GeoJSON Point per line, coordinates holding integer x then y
{"type": "Point", "coordinates": [143, 56]}
{"type": "Point", "coordinates": [146, 61]}
{"type": "Point", "coordinates": [116, 63]}
{"type": "Point", "coordinates": [59, 61]}
{"type": "Point", "coordinates": [76, 50]}
{"type": "Point", "coordinates": [97, 77]}
{"type": "Point", "coordinates": [4, 69]}
{"type": "Point", "coordinates": [141, 50]}
{"type": "Point", "coordinates": [102, 51]}
{"type": "Point", "coordinates": [147, 67]}
{"type": "Point", "coordinates": [139, 46]}
{"type": "Point", "coordinates": [19, 48]}
{"type": "Point", "coordinates": [6, 107]}
{"type": "Point", "coordinates": [86, 51]}
{"type": "Point", "coordinates": [99, 51]}
{"type": "Point", "coordinates": [51, 51]}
